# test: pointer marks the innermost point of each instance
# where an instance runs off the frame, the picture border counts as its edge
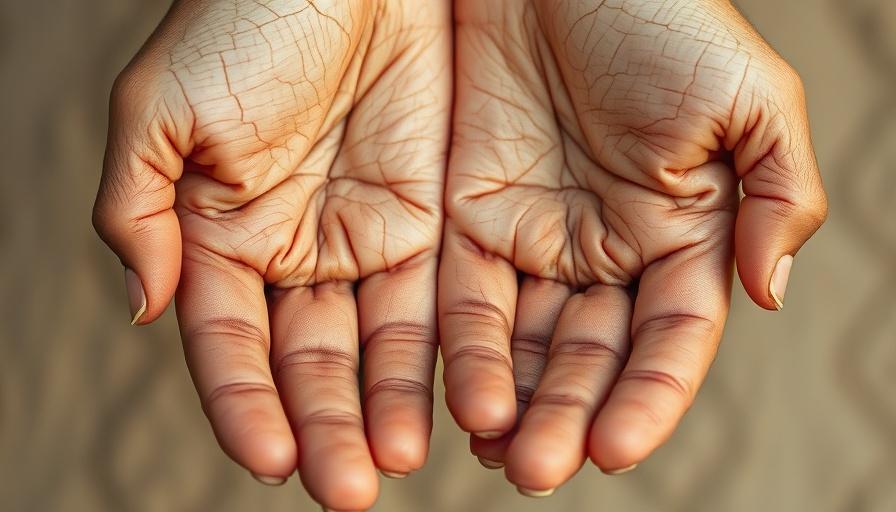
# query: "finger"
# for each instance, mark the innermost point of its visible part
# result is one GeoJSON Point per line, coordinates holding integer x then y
{"type": "Point", "coordinates": [148, 135]}
{"type": "Point", "coordinates": [397, 323]}
{"type": "Point", "coordinates": [477, 297]}
{"type": "Point", "coordinates": [676, 327]}
{"type": "Point", "coordinates": [223, 319]}
{"type": "Point", "coordinates": [315, 362]}
{"type": "Point", "coordinates": [538, 308]}
{"type": "Point", "coordinates": [590, 346]}
{"type": "Point", "coordinates": [784, 201]}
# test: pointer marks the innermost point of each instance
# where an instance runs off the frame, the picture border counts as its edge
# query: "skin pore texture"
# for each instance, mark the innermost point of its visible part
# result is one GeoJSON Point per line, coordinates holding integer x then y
{"type": "Point", "coordinates": [283, 166]}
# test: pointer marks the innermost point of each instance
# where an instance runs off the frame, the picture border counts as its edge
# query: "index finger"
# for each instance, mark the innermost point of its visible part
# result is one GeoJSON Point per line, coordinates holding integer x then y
{"type": "Point", "coordinates": [677, 325]}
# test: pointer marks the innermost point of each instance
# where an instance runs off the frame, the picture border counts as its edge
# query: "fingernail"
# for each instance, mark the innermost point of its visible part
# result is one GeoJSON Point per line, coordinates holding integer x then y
{"type": "Point", "coordinates": [393, 475]}
{"type": "Point", "coordinates": [136, 295]}
{"type": "Point", "coordinates": [778, 284]}
{"type": "Point", "coordinates": [490, 464]}
{"type": "Point", "coordinates": [614, 472]}
{"type": "Point", "coordinates": [273, 481]}
{"type": "Point", "coordinates": [488, 435]}
{"type": "Point", "coordinates": [531, 493]}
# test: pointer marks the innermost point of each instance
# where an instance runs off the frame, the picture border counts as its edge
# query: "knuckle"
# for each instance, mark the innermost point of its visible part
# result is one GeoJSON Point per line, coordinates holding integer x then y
{"type": "Point", "coordinates": [587, 351]}
{"type": "Point", "coordinates": [127, 88]}
{"type": "Point", "coordinates": [792, 78]}
{"type": "Point", "coordinates": [660, 325]}
{"type": "Point", "coordinates": [479, 353]}
{"type": "Point", "coordinates": [248, 390]}
{"type": "Point", "coordinates": [400, 388]}
{"type": "Point", "coordinates": [535, 344]}
{"type": "Point", "coordinates": [231, 331]}
{"type": "Point", "coordinates": [478, 315]}
{"type": "Point", "coordinates": [817, 211]}
{"type": "Point", "coordinates": [100, 218]}
{"type": "Point", "coordinates": [563, 401]}
{"type": "Point", "coordinates": [316, 361]}
{"type": "Point", "coordinates": [332, 418]}
{"type": "Point", "coordinates": [683, 390]}
{"type": "Point", "coordinates": [402, 334]}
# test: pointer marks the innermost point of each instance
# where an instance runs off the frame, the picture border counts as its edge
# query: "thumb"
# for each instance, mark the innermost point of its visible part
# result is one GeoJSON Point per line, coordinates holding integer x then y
{"type": "Point", "coordinates": [784, 203]}
{"type": "Point", "coordinates": [133, 211]}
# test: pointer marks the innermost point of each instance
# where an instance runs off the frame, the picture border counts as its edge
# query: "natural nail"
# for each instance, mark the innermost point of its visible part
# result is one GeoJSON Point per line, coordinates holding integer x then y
{"type": "Point", "coordinates": [270, 480]}
{"type": "Point", "coordinates": [778, 285]}
{"type": "Point", "coordinates": [488, 435]}
{"type": "Point", "coordinates": [532, 493]}
{"type": "Point", "coordinates": [393, 475]}
{"type": "Point", "coordinates": [614, 472]}
{"type": "Point", "coordinates": [490, 464]}
{"type": "Point", "coordinates": [136, 295]}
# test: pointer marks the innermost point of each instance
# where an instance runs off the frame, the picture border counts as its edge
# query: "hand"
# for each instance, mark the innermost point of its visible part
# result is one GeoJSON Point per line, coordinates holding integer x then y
{"type": "Point", "coordinates": [281, 165]}
{"type": "Point", "coordinates": [592, 218]}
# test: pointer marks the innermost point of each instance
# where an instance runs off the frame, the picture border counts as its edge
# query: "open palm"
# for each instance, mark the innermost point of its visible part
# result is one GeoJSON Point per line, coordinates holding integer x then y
{"type": "Point", "coordinates": [592, 214]}
{"type": "Point", "coordinates": [291, 157]}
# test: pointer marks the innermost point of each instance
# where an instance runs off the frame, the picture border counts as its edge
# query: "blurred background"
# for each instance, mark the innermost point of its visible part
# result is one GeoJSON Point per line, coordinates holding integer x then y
{"type": "Point", "coordinates": [798, 412]}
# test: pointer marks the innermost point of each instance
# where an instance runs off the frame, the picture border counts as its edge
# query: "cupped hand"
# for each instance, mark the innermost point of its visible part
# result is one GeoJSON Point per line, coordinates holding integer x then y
{"type": "Point", "coordinates": [593, 215]}
{"type": "Point", "coordinates": [281, 165]}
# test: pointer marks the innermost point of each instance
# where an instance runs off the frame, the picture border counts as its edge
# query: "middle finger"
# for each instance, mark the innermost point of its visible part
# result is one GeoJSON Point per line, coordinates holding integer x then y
{"type": "Point", "coordinates": [315, 360]}
{"type": "Point", "coordinates": [589, 349]}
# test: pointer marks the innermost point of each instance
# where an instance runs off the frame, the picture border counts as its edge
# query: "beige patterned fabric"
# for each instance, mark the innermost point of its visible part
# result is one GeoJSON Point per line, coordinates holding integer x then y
{"type": "Point", "coordinates": [798, 412]}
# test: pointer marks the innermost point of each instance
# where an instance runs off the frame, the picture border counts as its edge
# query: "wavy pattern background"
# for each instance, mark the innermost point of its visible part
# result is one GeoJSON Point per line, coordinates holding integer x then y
{"type": "Point", "coordinates": [871, 212]}
{"type": "Point", "coordinates": [798, 413]}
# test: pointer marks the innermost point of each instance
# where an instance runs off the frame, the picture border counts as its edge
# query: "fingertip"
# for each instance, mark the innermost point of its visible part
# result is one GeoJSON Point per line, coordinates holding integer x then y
{"type": "Point", "coordinates": [272, 481]}
{"type": "Point", "coordinates": [638, 418]}
{"type": "Point", "coordinates": [353, 487]}
{"type": "Point", "coordinates": [487, 411]}
{"type": "Point", "coordinates": [264, 451]}
{"type": "Point", "coordinates": [541, 465]}
{"type": "Point", "coordinates": [152, 263]}
{"type": "Point", "coordinates": [621, 471]}
{"type": "Point", "coordinates": [616, 447]}
{"type": "Point", "coordinates": [777, 286]}
{"type": "Point", "coordinates": [398, 446]}
{"type": "Point", "coordinates": [149, 298]}
{"type": "Point", "coordinates": [490, 464]}
{"type": "Point", "coordinates": [492, 453]}
{"type": "Point", "coordinates": [757, 249]}
{"type": "Point", "coordinates": [272, 455]}
{"type": "Point", "coordinates": [252, 430]}
{"type": "Point", "coordinates": [136, 295]}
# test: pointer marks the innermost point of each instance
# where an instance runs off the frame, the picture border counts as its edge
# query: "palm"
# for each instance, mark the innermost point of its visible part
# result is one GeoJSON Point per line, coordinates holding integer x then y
{"type": "Point", "coordinates": [319, 166]}
{"type": "Point", "coordinates": [312, 141]}
{"type": "Point", "coordinates": [585, 192]}
{"type": "Point", "coordinates": [594, 149]}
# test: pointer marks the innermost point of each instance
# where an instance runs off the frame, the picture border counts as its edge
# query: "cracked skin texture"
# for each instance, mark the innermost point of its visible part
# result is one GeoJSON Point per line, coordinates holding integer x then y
{"type": "Point", "coordinates": [596, 152]}
{"type": "Point", "coordinates": [281, 164]}
{"type": "Point", "coordinates": [592, 218]}
{"type": "Point", "coordinates": [325, 169]}
{"type": "Point", "coordinates": [580, 164]}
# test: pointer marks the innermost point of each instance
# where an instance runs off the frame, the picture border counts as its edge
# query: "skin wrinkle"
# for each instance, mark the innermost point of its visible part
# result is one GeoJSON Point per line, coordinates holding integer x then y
{"type": "Point", "coordinates": [315, 362]}
{"type": "Point", "coordinates": [348, 238]}
{"type": "Point", "coordinates": [628, 198]}
{"type": "Point", "coordinates": [529, 169]}
{"type": "Point", "coordinates": [403, 388]}
{"type": "Point", "coordinates": [323, 167]}
{"type": "Point", "coordinates": [582, 351]}
{"type": "Point", "coordinates": [308, 143]}
{"type": "Point", "coordinates": [234, 389]}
